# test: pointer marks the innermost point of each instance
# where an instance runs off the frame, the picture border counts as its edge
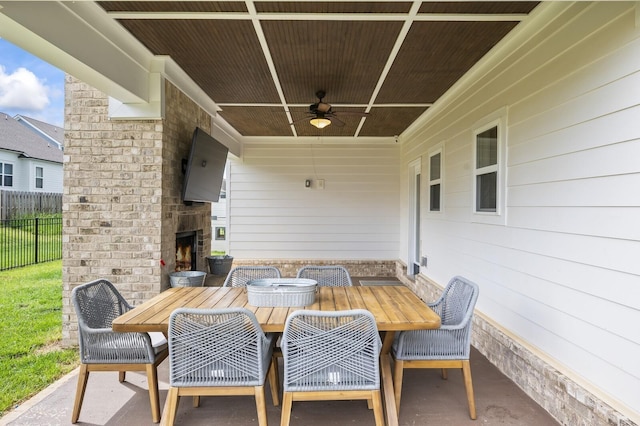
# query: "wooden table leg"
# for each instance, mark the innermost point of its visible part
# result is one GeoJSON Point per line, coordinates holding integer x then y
{"type": "Point", "coordinates": [391, 412]}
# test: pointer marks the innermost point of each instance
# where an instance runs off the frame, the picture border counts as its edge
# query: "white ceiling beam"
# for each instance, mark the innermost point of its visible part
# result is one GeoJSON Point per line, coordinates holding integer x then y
{"type": "Point", "coordinates": [267, 56]}
{"type": "Point", "coordinates": [326, 140]}
{"type": "Point", "coordinates": [233, 16]}
{"type": "Point", "coordinates": [227, 135]}
{"type": "Point", "coordinates": [391, 59]}
{"type": "Point", "coordinates": [53, 32]}
{"type": "Point", "coordinates": [278, 105]}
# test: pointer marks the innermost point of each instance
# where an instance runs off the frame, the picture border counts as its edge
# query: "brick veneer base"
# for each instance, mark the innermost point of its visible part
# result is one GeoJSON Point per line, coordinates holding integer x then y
{"type": "Point", "coordinates": [356, 268]}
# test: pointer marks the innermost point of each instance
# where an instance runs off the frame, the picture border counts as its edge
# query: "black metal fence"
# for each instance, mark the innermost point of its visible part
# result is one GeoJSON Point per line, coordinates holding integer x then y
{"type": "Point", "coordinates": [29, 241]}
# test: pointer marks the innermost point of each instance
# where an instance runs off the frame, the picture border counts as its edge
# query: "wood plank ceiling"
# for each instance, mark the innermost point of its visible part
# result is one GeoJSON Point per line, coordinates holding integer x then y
{"type": "Point", "coordinates": [262, 62]}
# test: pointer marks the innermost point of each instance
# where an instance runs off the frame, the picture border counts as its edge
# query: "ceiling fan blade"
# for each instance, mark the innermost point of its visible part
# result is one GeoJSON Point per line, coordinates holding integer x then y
{"type": "Point", "coordinates": [359, 114]}
{"type": "Point", "coordinates": [301, 119]}
{"type": "Point", "coordinates": [335, 120]}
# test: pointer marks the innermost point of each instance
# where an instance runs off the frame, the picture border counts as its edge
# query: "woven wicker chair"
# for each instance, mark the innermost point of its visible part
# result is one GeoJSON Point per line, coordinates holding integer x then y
{"type": "Point", "coordinates": [446, 347]}
{"type": "Point", "coordinates": [240, 275]}
{"type": "Point", "coordinates": [331, 355]}
{"type": "Point", "coordinates": [218, 352]}
{"type": "Point", "coordinates": [97, 304]}
{"type": "Point", "coordinates": [328, 276]}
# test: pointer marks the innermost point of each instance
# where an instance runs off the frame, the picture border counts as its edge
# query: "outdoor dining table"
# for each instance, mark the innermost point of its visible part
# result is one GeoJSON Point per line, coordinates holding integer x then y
{"type": "Point", "coordinates": [395, 308]}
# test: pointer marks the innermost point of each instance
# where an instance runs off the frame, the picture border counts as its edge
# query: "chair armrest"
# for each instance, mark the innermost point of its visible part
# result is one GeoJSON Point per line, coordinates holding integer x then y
{"type": "Point", "coordinates": [132, 339]}
{"type": "Point", "coordinates": [452, 327]}
{"type": "Point", "coordinates": [440, 343]}
{"type": "Point", "coordinates": [436, 307]}
{"type": "Point", "coordinates": [106, 345]}
{"type": "Point", "coordinates": [102, 330]}
{"type": "Point", "coordinates": [125, 306]}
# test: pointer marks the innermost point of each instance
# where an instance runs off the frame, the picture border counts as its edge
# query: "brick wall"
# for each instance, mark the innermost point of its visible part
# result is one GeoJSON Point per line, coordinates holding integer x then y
{"type": "Point", "coordinates": [121, 201]}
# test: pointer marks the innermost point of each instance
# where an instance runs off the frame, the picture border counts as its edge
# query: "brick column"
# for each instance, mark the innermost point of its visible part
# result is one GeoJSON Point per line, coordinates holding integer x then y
{"type": "Point", "coordinates": [121, 201]}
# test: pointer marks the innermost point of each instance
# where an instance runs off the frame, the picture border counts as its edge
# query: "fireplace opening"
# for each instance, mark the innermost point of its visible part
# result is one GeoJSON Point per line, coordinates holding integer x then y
{"type": "Point", "coordinates": [186, 251]}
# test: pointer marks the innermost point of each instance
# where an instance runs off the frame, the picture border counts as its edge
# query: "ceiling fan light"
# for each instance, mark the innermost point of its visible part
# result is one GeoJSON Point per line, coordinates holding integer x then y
{"type": "Point", "coordinates": [319, 122]}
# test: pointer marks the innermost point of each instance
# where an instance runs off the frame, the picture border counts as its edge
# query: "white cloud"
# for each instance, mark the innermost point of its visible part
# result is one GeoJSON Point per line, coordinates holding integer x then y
{"type": "Point", "coordinates": [22, 90]}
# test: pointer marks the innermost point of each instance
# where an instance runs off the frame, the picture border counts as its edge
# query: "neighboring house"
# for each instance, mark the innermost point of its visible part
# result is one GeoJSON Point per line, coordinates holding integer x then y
{"type": "Point", "coordinates": [52, 133]}
{"type": "Point", "coordinates": [30, 161]}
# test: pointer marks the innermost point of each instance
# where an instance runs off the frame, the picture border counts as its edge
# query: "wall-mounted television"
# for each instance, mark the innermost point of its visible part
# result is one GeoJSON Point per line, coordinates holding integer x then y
{"type": "Point", "coordinates": [204, 169]}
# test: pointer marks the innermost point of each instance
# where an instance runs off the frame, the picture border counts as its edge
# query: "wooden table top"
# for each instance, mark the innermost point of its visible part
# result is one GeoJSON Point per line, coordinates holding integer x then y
{"type": "Point", "coordinates": [394, 307]}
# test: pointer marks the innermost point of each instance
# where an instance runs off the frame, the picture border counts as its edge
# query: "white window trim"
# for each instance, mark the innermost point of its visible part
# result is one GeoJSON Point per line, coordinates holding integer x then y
{"type": "Point", "coordinates": [438, 149]}
{"type": "Point", "coordinates": [35, 178]}
{"type": "Point", "coordinates": [499, 217]}
{"type": "Point", "coordinates": [13, 174]}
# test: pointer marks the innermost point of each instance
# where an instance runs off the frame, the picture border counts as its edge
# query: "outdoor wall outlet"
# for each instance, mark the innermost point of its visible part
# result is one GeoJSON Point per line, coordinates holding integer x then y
{"type": "Point", "coordinates": [307, 183]}
{"type": "Point", "coordinates": [423, 261]}
{"type": "Point", "coordinates": [320, 183]}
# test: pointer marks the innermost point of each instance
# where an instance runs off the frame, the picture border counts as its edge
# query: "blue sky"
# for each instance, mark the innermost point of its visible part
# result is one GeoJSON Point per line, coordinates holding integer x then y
{"type": "Point", "coordinates": [30, 86]}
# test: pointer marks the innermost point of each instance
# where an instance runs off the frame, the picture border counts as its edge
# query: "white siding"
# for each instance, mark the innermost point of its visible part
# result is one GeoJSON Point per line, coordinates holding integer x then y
{"type": "Point", "coordinates": [356, 216]}
{"type": "Point", "coordinates": [563, 274]}
{"type": "Point", "coordinates": [24, 178]}
{"type": "Point", "coordinates": [52, 176]}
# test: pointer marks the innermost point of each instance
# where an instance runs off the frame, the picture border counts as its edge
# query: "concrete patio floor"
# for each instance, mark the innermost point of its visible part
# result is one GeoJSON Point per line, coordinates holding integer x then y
{"type": "Point", "coordinates": [426, 400]}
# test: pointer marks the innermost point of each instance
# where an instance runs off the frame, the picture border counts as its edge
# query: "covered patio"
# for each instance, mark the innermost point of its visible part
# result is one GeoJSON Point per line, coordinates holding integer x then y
{"type": "Point", "coordinates": [493, 140]}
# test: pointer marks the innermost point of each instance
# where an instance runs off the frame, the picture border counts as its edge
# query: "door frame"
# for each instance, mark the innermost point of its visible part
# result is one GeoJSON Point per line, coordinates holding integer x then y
{"type": "Point", "coordinates": [414, 213]}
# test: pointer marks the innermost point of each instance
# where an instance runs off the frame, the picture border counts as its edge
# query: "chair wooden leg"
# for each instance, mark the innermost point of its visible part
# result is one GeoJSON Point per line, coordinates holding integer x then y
{"type": "Point", "coordinates": [171, 407]}
{"type": "Point", "coordinates": [378, 412]}
{"type": "Point", "coordinates": [154, 397]}
{"type": "Point", "coordinates": [122, 375]}
{"type": "Point", "coordinates": [287, 401]}
{"type": "Point", "coordinates": [196, 401]}
{"type": "Point", "coordinates": [398, 372]}
{"type": "Point", "coordinates": [261, 405]}
{"type": "Point", "coordinates": [468, 385]}
{"type": "Point", "coordinates": [274, 381]}
{"type": "Point", "coordinates": [83, 376]}
{"type": "Point", "coordinates": [444, 373]}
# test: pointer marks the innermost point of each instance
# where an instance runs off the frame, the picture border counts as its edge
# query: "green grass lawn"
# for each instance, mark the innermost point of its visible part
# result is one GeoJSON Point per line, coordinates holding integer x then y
{"type": "Point", "coordinates": [31, 329]}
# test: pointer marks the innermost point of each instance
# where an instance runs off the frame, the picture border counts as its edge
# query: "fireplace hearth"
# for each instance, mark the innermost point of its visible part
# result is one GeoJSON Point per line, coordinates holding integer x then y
{"type": "Point", "coordinates": [186, 254]}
